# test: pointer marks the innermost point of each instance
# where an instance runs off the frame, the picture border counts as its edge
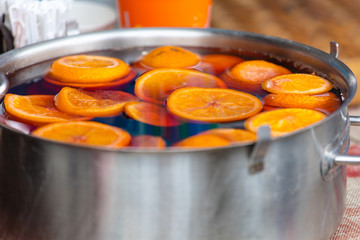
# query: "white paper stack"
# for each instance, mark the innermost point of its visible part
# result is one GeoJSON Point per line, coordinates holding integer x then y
{"type": "Point", "coordinates": [33, 21]}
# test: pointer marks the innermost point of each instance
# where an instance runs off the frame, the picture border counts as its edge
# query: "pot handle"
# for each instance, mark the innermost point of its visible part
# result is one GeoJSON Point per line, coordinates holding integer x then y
{"type": "Point", "coordinates": [4, 85]}
{"type": "Point", "coordinates": [331, 161]}
{"type": "Point", "coordinates": [349, 159]}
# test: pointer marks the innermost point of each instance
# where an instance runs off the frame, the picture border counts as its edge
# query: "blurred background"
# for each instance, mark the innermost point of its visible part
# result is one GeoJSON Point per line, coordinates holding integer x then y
{"type": "Point", "coordinates": [312, 22]}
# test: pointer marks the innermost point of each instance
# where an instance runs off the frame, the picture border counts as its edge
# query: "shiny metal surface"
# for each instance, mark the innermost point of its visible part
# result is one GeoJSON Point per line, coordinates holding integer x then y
{"type": "Point", "coordinates": [57, 191]}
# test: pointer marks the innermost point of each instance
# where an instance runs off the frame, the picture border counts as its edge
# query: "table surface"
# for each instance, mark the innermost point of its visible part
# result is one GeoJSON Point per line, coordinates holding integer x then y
{"type": "Point", "coordinates": [315, 23]}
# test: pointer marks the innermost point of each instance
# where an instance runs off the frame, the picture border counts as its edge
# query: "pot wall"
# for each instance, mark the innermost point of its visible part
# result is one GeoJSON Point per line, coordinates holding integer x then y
{"type": "Point", "coordinates": [55, 191]}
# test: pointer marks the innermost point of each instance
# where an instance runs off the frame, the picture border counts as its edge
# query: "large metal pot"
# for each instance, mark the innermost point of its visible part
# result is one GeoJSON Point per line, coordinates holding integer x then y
{"type": "Point", "coordinates": [292, 187]}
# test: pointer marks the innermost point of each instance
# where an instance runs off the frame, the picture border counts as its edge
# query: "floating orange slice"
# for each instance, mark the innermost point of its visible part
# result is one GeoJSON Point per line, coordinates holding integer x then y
{"type": "Point", "coordinates": [36, 109]}
{"type": "Point", "coordinates": [284, 121]}
{"type": "Point", "coordinates": [170, 57]}
{"type": "Point", "coordinates": [100, 103]}
{"type": "Point", "coordinates": [325, 102]}
{"type": "Point", "coordinates": [148, 141]}
{"type": "Point", "coordinates": [300, 83]}
{"type": "Point", "coordinates": [203, 141]}
{"type": "Point", "coordinates": [121, 82]}
{"type": "Point", "coordinates": [88, 69]}
{"type": "Point", "coordinates": [156, 85]}
{"type": "Point", "coordinates": [218, 63]}
{"type": "Point", "coordinates": [150, 113]}
{"type": "Point", "coordinates": [248, 75]}
{"type": "Point", "coordinates": [212, 104]}
{"type": "Point", "coordinates": [232, 134]}
{"type": "Point", "coordinates": [85, 133]}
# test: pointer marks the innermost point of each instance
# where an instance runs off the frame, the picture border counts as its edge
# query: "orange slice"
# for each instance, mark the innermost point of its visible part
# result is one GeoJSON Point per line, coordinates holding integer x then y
{"type": "Point", "coordinates": [150, 113]}
{"type": "Point", "coordinates": [170, 57]}
{"type": "Point", "coordinates": [85, 133]}
{"type": "Point", "coordinates": [284, 121]}
{"type": "Point", "coordinates": [121, 82]}
{"type": "Point", "coordinates": [100, 103]}
{"type": "Point", "coordinates": [156, 85]}
{"type": "Point", "coordinates": [88, 69]}
{"type": "Point", "coordinates": [218, 63]}
{"type": "Point", "coordinates": [300, 83]}
{"type": "Point", "coordinates": [325, 102]}
{"type": "Point", "coordinates": [232, 134]}
{"type": "Point", "coordinates": [36, 109]}
{"type": "Point", "coordinates": [213, 104]}
{"type": "Point", "coordinates": [203, 141]}
{"type": "Point", "coordinates": [148, 141]}
{"type": "Point", "coordinates": [249, 75]}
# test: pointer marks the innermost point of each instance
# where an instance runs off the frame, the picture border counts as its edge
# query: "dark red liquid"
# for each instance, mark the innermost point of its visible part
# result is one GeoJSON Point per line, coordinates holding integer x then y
{"type": "Point", "coordinates": [39, 86]}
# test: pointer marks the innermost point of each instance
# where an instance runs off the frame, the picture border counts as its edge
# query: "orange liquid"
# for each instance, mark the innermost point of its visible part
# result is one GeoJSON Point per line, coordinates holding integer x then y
{"type": "Point", "coordinates": [164, 13]}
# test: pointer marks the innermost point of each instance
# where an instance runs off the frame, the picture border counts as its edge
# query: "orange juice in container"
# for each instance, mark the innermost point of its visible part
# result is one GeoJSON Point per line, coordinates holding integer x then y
{"type": "Point", "coordinates": [164, 13]}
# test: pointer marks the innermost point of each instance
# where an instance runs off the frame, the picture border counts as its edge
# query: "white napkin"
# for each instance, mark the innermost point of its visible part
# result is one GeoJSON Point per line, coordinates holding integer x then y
{"type": "Point", "coordinates": [34, 21]}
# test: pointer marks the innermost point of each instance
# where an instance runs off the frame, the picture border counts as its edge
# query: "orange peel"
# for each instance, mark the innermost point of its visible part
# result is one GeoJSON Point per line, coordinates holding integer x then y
{"type": "Point", "coordinates": [300, 83]}
{"type": "Point", "coordinates": [170, 57]}
{"type": "Point", "coordinates": [88, 69]}
{"type": "Point", "coordinates": [100, 103]}
{"type": "Point", "coordinates": [284, 121]}
{"type": "Point", "coordinates": [156, 85]}
{"type": "Point", "coordinates": [212, 104]}
{"type": "Point", "coordinates": [85, 133]}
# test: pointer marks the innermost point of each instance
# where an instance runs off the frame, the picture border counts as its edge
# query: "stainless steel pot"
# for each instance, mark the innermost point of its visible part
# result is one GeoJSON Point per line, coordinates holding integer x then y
{"type": "Point", "coordinates": [292, 187]}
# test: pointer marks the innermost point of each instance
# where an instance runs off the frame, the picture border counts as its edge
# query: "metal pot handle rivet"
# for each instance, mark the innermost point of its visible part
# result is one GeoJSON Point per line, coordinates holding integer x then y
{"type": "Point", "coordinates": [258, 153]}
{"type": "Point", "coordinates": [334, 49]}
{"type": "Point", "coordinates": [4, 85]}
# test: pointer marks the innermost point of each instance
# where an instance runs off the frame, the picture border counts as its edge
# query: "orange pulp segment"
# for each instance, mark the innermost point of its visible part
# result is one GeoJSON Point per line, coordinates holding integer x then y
{"type": "Point", "coordinates": [203, 140]}
{"type": "Point", "coordinates": [233, 134]}
{"type": "Point", "coordinates": [123, 81]}
{"type": "Point", "coordinates": [148, 141]}
{"type": "Point", "coordinates": [150, 113]}
{"type": "Point", "coordinates": [218, 63]}
{"type": "Point", "coordinates": [284, 121]}
{"type": "Point", "coordinates": [249, 75]}
{"type": "Point", "coordinates": [85, 133]}
{"type": "Point", "coordinates": [170, 57]}
{"type": "Point", "coordinates": [36, 109]}
{"type": "Point", "coordinates": [88, 69]}
{"type": "Point", "coordinates": [300, 83]}
{"type": "Point", "coordinates": [325, 102]}
{"type": "Point", "coordinates": [156, 85]}
{"type": "Point", "coordinates": [212, 104]}
{"type": "Point", "coordinates": [100, 103]}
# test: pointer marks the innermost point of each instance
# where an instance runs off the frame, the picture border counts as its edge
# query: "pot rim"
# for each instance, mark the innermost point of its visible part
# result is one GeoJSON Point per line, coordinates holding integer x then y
{"type": "Point", "coordinates": [22, 56]}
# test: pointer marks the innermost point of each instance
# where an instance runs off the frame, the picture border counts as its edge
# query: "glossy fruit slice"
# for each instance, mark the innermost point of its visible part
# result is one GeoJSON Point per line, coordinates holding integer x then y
{"type": "Point", "coordinates": [148, 141]}
{"type": "Point", "coordinates": [325, 102]}
{"type": "Point", "coordinates": [232, 134]}
{"type": "Point", "coordinates": [203, 141]}
{"type": "Point", "coordinates": [156, 85]}
{"type": "Point", "coordinates": [117, 83]}
{"type": "Point", "coordinates": [284, 121]}
{"type": "Point", "coordinates": [249, 75]}
{"type": "Point", "coordinates": [170, 57]}
{"type": "Point", "coordinates": [212, 104]}
{"type": "Point", "coordinates": [36, 109]}
{"type": "Point", "coordinates": [88, 69]}
{"type": "Point", "coordinates": [150, 113]}
{"type": "Point", "coordinates": [218, 63]}
{"type": "Point", "coordinates": [100, 103]}
{"type": "Point", "coordinates": [300, 83]}
{"type": "Point", "coordinates": [85, 133]}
